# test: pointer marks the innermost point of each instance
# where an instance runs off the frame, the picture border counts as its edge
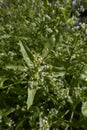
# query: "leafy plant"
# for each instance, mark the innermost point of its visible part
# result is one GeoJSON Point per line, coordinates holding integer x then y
{"type": "Point", "coordinates": [43, 66]}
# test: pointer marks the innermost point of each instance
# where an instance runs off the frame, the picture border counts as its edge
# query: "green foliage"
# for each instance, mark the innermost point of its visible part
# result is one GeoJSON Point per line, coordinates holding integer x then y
{"type": "Point", "coordinates": [43, 66]}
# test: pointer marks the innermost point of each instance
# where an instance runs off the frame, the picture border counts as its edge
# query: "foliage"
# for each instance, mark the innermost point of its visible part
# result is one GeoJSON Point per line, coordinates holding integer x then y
{"type": "Point", "coordinates": [43, 67]}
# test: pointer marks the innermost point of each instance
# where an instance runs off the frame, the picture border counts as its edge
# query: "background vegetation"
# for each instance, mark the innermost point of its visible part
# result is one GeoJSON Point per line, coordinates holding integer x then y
{"type": "Point", "coordinates": [43, 66]}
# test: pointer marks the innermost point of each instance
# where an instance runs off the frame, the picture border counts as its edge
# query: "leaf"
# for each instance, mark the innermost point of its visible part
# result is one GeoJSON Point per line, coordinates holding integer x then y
{"type": "Point", "coordinates": [2, 80]}
{"type": "Point", "coordinates": [49, 45]}
{"type": "Point", "coordinates": [14, 67]}
{"type": "Point", "coordinates": [31, 95]}
{"type": "Point", "coordinates": [6, 112]}
{"type": "Point", "coordinates": [29, 52]}
{"type": "Point", "coordinates": [5, 36]}
{"type": "Point", "coordinates": [84, 109]}
{"type": "Point", "coordinates": [25, 55]}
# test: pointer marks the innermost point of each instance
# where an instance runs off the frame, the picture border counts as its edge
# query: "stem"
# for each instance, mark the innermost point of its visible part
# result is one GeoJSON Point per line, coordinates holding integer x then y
{"type": "Point", "coordinates": [70, 120]}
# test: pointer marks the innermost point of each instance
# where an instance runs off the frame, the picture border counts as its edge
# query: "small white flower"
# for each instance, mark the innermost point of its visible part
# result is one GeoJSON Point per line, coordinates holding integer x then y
{"type": "Point", "coordinates": [83, 25]}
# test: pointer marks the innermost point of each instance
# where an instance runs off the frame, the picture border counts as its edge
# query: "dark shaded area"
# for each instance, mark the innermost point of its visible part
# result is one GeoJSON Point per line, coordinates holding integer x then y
{"type": "Point", "coordinates": [83, 17]}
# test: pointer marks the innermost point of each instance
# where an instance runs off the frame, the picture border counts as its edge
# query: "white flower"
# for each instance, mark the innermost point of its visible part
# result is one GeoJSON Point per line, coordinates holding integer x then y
{"type": "Point", "coordinates": [83, 25]}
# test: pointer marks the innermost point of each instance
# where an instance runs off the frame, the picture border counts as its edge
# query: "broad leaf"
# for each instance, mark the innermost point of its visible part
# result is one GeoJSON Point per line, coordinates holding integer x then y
{"type": "Point", "coordinates": [31, 95]}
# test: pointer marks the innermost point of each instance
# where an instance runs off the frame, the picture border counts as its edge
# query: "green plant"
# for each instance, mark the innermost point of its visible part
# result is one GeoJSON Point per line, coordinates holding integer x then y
{"type": "Point", "coordinates": [43, 66]}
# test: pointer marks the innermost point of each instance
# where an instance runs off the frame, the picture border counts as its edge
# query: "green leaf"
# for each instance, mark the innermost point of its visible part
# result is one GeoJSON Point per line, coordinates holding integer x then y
{"type": "Point", "coordinates": [49, 45]}
{"type": "Point", "coordinates": [31, 95]}
{"type": "Point", "coordinates": [25, 55]}
{"type": "Point", "coordinates": [2, 80]}
{"type": "Point", "coordinates": [14, 67]}
{"type": "Point", "coordinates": [6, 112]}
{"type": "Point", "coordinates": [84, 109]}
{"type": "Point", "coordinates": [5, 36]}
{"type": "Point", "coordinates": [28, 52]}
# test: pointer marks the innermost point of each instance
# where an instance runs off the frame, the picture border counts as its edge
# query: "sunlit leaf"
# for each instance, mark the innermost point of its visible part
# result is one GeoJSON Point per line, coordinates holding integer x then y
{"type": "Point", "coordinates": [31, 95]}
{"type": "Point", "coordinates": [84, 109]}
{"type": "Point", "coordinates": [25, 55]}
{"type": "Point", "coordinates": [1, 82]}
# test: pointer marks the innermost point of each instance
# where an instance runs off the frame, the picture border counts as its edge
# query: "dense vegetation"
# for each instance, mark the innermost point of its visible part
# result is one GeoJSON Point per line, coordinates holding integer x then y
{"type": "Point", "coordinates": [43, 66]}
